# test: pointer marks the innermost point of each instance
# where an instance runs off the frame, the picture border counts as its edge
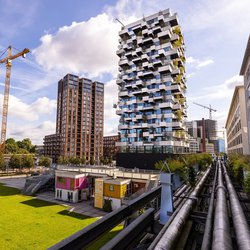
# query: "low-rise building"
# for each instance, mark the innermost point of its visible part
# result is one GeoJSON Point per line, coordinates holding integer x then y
{"type": "Point", "coordinates": [110, 189]}
{"type": "Point", "coordinates": [71, 186]}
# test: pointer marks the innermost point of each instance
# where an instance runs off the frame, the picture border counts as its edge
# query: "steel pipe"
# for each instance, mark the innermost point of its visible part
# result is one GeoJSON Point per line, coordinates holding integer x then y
{"type": "Point", "coordinates": [170, 237]}
{"type": "Point", "coordinates": [206, 243]}
{"type": "Point", "coordinates": [239, 220]}
{"type": "Point", "coordinates": [221, 233]}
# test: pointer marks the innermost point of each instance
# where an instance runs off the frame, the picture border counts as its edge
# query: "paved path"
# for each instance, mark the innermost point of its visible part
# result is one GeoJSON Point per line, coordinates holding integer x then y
{"type": "Point", "coordinates": [83, 207]}
{"type": "Point", "coordinates": [14, 181]}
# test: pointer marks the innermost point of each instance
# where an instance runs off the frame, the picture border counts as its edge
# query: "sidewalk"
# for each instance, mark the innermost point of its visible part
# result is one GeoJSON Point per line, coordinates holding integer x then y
{"type": "Point", "coordinates": [83, 207]}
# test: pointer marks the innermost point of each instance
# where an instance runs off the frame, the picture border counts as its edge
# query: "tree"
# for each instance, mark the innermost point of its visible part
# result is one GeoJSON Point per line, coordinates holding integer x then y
{"type": "Point", "coordinates": [92, 160]}
{"type": "Point", "coordinates": [2, 162]}
{"type": "Point", "coordinates": [74, 160]}
{"type": "Point", "coordinates": [44, 161]}
{"type": "Point", "coordinates": [15, 161]}
{"type": "Point", "coordinates": [60, 160]}
{"type": "Point", "coordinates": [28, 161]}
{"type": "Point", "coordinates": [25, 144]}
{"type": "Point", "coordinates": [83, 159]}
{"type": "Point", "coordinates": [11, 146]}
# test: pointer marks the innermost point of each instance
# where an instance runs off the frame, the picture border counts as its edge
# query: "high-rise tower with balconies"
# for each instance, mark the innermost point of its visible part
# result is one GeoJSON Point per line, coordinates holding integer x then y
{"type": "Point", "coordinates": [152, 85]}
{"type": "Point", "coordinates": [79, 123]}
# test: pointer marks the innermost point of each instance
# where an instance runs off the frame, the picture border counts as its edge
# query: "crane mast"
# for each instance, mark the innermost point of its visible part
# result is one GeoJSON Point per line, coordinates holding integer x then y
{"type": "Point", "coordinates": [8, 61]}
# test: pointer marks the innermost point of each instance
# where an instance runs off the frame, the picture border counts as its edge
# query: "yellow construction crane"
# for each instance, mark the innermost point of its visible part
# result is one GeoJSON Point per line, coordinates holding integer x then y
{"type": "Point", "coordinates": [8, 60]}
{"type": "Point", "coordinates": [209, 108]}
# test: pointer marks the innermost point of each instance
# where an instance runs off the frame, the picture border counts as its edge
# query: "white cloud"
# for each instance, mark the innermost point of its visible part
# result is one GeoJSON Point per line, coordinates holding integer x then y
{"type": "Point", "coordinates": [197, 63]}
{"type": "Point", "coordinates": [84, 47]}
{"type": "Point", "coordinates": [29, 112]}
{"type": "Point", "coordinates": [220, 91]}
{"type": "Point", "coordinates": [35, 132]}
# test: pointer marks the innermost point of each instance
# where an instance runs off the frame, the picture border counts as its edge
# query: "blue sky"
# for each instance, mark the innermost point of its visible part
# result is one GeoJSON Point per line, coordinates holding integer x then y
{"type": "Point", "coordinates": [81, 37]}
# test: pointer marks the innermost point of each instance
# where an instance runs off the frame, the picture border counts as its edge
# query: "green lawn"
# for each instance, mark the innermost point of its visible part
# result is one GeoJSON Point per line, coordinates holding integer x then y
{"type": "Point", "coordinates": [29, 223]}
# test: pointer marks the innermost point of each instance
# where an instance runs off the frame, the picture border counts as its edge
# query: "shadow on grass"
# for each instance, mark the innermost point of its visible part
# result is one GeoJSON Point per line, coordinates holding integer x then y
{"type": "Point", "coordinates": [73, 214]}
{"type": "Point", "coordinates": [7, 191]}
{"type": "Point", "coordinates": [38, 203]}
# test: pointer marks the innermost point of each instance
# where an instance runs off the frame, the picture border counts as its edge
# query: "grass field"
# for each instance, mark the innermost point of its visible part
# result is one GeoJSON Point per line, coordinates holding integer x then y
{"type": "Point", "coordinates": [29, 223]}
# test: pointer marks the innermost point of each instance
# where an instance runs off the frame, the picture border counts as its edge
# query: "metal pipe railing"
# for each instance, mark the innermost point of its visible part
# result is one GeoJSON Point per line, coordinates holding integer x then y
{"type": "Point", "coordinates": [221, 233]}
{"type": "Point", "coordinates": [239, 220]}
{"type": "Point", "coordinates": [169, 238]}
{"type": "Point", "coordinates": [206, 243]}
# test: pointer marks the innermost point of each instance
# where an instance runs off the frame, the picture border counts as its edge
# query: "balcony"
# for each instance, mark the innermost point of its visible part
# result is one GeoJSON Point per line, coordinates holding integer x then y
{"type": "Point", "coordinates": [123, 62]}
{"type": "Point", "coordinates": [145, 57]}
{"type": "Point", "coordinates": [118, 112]}
{"type": "Point", "coordinates": [124, 126]}
{"type": "Point", "coordinates": [165, 69]}
{"type": "Point", "coordinates": [166, 34]}
{"type": "Point", "coordinates": [123, 94]}
{"type": "Point", "coordinates": [121, 144]}
{"type": "Point", "coordinates": [166, 105]}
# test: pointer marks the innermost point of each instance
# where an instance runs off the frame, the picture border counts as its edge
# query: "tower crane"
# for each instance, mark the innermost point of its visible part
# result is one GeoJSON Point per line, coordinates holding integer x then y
{"type": "Point", "coordinates": [206, 107]}
{"type": "Point", "coordinates": [8, 62]}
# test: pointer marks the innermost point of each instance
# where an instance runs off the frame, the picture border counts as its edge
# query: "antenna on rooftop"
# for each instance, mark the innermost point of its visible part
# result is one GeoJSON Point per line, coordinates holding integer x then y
{"type": "Point", "coordinates": [120, 22]}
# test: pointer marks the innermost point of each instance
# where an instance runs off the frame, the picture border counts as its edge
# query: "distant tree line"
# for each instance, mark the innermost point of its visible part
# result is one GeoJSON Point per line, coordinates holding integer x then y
{"type": "Point", "coordinates": [19, 147]}
{"type": "Point", "coordinates": [82, 160]}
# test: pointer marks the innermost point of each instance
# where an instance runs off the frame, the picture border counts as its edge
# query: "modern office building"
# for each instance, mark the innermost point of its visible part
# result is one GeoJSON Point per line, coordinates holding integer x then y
{"type": "Point", "coordinates": [245, 72]}
{"type": "Point", "coordinates": [236, 124]}
{"type": "Point", "coordinates": [79, 120]}
{"type": "Point", "coordinates": [109, 147]}
{"type": "Point", "coordinates": [152, 85]}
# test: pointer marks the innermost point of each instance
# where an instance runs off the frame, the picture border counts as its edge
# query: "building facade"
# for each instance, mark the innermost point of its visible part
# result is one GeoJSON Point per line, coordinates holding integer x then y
{"type": "Point", "coordinates": [109, 146]}
{"type": "Point", "coordinates": [79, 120]}
{"type": "Point", "coordinates": [152, 85]}
{"type": "Point", "coordinates": [52, 146]}
{"type": "Point", "coordinates": [236, 124]}
{"type": "Point", "coordinates": [245, 72]}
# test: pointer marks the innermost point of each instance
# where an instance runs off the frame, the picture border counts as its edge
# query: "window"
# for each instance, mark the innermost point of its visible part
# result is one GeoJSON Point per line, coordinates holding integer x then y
{"type": "Point", "coordinates": [111, 188]}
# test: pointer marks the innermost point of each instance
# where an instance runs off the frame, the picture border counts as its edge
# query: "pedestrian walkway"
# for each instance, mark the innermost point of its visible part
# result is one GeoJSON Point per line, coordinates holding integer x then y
{"type": "Point", "coordinates": [83, 207]}
{"type": "Point", "coordinates": [14, 181]}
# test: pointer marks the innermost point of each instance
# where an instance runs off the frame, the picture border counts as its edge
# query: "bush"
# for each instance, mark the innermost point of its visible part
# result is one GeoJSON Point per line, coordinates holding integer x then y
{"type": "Point", "coordinates": [246, 184]}
{"type": "Point", "coordinates": [238, 163]}
{"type": "Point", "coordinates": [107, 207]}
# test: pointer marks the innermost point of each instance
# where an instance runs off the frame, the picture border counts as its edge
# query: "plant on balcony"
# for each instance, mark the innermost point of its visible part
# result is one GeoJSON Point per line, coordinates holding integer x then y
{"type": "Point", "coordinates": [183, 59]}
{"type": "Point", "coordinates": [246, 184]}
{"type": "Point", "coordinates": [177, 30]}
{"type": "Point", "coordinates": [178, 78]}
{"type": "Point", "coordinates": [182, 100]}
{"type": "Point", "coordinates": [182, 70]}
{"type": "Point", "coordinates": [177, 44]}
{"type": "Point", "coordinates": [179, 115]}
{"type": "Point", "coordinates": [176, 62]}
